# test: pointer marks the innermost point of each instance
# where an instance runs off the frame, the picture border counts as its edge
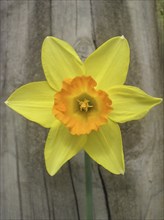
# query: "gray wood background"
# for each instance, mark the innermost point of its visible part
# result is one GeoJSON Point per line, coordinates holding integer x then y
{"type": "Point", "coordinates": [27, 191]}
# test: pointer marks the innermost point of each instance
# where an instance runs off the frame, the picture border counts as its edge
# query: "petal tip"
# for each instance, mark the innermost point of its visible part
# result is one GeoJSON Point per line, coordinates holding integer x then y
{"type": "Point", "coordinates": [158, 101]}
{"type": "Point", "coordinates": [46, 39]}
{"type": "Point", "coordinates": [6, 102]}
{"type": "Point", "coordinates": [122, 172]}
{"type": "Point", "coordinates": [51, 173]}
{"type": "Point", "coordinates": [122, 37]}
{"type": "Point", "coordinates": [49, 169]}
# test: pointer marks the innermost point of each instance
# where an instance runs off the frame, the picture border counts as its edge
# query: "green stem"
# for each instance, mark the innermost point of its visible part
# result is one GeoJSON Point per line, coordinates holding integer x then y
{"type": "Point", "coordinates": [88, 182]}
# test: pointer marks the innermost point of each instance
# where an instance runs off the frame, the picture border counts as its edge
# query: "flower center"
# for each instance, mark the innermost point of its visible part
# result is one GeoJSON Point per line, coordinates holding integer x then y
{"type": "Point", "coordinates": [80, 107]}
{"type": "Point", "coordinates": [84, 105]}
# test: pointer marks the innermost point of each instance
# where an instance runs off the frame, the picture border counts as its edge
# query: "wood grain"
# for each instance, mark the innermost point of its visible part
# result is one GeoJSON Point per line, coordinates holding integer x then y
{"type": "Point", "coordinates": [27, 191]}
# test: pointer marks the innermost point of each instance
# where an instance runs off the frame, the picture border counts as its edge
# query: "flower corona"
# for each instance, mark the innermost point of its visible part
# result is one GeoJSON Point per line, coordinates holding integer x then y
{"type": "Point", "coordinates": [80, 107]}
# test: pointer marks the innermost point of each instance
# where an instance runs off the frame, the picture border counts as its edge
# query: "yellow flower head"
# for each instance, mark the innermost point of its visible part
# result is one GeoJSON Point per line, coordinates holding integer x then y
{"type": "Point", "coordinates": [83, 102]}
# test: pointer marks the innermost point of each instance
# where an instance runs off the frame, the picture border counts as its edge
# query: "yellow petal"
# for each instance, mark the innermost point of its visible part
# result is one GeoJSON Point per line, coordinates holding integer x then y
{"type": "Point", "coordinates": [109, 63]}
{"type": "Point", "coordinates": [130, 103]}
{"type": "Point", "coordinates": [60, 147]}
{"type": "Point", "coordinates": [35, 102]}
{"type": "Point", "coordinates": [105, 147]}
{"type": "Point", "coordinates": [59, 61]}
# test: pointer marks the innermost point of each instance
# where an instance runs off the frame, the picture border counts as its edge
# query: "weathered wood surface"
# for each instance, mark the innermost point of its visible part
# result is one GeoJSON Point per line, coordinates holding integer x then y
{"type": "Point", "coordinates": [27, 191]}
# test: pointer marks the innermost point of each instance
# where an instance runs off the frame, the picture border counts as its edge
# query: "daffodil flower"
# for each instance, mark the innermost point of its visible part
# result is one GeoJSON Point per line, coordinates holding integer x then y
{"type": "Point", "coordinates": [82, 103]}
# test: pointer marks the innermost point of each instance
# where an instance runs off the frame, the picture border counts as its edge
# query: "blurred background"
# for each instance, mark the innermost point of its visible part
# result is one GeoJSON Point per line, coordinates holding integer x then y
{"type": "Point", "coordinates": [27, 191]}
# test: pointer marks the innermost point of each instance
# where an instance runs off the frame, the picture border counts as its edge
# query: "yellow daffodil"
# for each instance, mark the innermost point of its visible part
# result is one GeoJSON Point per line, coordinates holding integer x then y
{"type": "Point", "coordinates": [82, 103]}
